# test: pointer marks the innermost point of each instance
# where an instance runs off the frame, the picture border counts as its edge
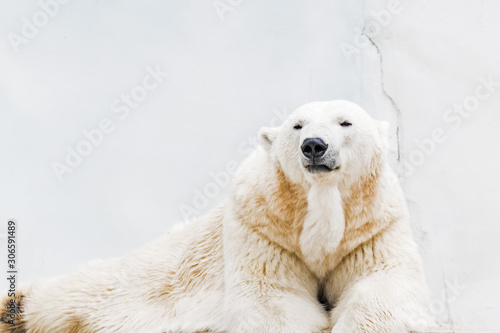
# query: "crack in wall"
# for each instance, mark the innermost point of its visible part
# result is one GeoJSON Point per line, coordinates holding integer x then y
{"type": "Point", "coordinates": [446, 296]}
{"type": "Point", "coordinates": [399, 118]}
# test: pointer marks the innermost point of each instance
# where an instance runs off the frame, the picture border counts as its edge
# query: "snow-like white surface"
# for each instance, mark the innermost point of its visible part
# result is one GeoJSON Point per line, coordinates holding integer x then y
{"type": "Point", "coordinates": [435, 59]}
{"type": "Point", "coordinates": [228, 74]}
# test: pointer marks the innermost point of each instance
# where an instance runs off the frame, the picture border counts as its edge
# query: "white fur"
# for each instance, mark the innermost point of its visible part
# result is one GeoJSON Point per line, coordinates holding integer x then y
{"type": "Point", "coordinates": [324, 223]}
{"type": "Point", "coordinates": [258, 262]}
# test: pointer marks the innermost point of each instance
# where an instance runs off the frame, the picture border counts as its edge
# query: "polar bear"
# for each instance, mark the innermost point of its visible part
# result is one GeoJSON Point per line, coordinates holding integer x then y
{"type": "Point", "coordinates": [315, 213]}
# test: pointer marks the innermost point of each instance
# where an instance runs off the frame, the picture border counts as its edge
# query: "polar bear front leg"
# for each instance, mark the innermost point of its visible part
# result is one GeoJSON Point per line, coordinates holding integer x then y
{"type": "Point", "coordinates": [284, 312]}
{"type": "Point", "coordinates": [267, 289]}
{"type": "Point", "coordinates": [382, 302]}
{"type": "Point", "coordinates": [380, 287]}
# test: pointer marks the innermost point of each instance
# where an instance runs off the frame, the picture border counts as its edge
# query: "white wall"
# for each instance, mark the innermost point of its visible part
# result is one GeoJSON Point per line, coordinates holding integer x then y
{"type": "Point", "coordinates": [432, 61]}
{"type": "Point", "coordinates": [228, 74]}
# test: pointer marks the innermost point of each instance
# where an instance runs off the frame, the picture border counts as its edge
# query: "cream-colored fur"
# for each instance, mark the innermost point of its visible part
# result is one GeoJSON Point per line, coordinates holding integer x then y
{"type": "Point", "coordinates": [259, 261]}
{"type": "Point", "coordinates": [324, 224]}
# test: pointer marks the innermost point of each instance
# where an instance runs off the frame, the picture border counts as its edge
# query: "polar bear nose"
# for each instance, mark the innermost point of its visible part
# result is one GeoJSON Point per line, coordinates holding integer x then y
{"type": "Point", "coordinates": [313, 148]}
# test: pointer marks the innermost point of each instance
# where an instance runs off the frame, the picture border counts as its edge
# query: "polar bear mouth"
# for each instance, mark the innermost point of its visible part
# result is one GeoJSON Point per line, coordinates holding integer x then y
{"type": "Point", "coordinates": [320, 168]}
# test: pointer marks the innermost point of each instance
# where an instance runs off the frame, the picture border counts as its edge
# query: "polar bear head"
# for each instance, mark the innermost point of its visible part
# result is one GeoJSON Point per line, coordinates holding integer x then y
{"type": "Point", "coordinates": [335, 141]}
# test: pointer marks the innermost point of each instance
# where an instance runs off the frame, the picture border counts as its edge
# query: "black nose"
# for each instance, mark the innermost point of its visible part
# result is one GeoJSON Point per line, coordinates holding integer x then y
{"type": "Point", "coordinates": [314, 148]}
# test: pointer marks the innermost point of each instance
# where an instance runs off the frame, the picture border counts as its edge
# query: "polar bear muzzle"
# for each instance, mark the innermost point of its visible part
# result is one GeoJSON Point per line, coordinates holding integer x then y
{"type": "Point", "coordinates": [317, 158]}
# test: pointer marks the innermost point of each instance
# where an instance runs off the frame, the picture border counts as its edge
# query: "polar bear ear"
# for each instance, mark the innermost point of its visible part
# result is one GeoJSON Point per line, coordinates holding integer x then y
{"type": "Point", "coordinates": [267, 135]}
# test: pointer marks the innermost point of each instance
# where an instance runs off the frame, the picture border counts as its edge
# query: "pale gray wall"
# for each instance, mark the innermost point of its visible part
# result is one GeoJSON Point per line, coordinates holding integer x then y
{"type": "Point", "coordinates": [227, 77]}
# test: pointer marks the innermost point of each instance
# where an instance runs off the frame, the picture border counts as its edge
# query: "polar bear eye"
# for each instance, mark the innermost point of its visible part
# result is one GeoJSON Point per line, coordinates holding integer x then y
{"type": "Point", "coordinates": [345, 124]}
{"type": "Point", "coordinates": [297, 127]}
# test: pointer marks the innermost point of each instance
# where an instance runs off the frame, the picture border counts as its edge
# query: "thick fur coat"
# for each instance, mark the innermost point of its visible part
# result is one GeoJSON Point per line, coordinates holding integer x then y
{"type": "Point", "coordinates": [293, 230]}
